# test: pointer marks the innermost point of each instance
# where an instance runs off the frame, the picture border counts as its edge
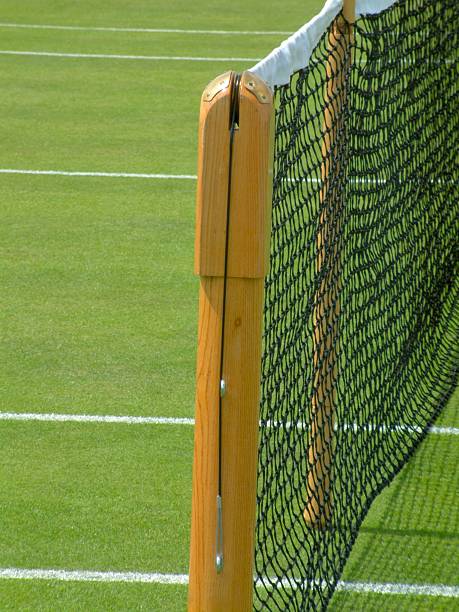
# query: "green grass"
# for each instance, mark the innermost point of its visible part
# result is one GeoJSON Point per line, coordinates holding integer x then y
{"type": "Point", "coordinates": [112, 497]}
{"type": "Point", "coordinates": [417, 514]}
{"type": "Point", "coordinates": [100, 496]}
{"type": "Point", "coordinates": [214, 14]}
{"type": "Point", "coordinates": [115, 116]}
{"type": "Point", "coordinates": [99, 300]}
{"type": "Point", "coordinates": [49, 596]}
{"type": "Point", "coordinates": [450, 416]}
{"type": "Point", "coordinates": [98, 315]}
{"type": "Point", "coordinates": [389, 603]}
{"type": "Point", "coordinates": [137, 43]}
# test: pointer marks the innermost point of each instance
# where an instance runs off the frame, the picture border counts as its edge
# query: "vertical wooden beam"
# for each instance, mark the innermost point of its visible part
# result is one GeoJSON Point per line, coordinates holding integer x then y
{"type": "Point", "coordinates": [349, 11]}
{"type": "Point", "coordinates": [231, 258]}
{"type": "Point", "coordinates": [326, 304]}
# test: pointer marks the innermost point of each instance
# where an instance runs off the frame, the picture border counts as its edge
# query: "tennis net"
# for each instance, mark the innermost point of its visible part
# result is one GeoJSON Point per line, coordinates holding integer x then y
{"type": "Point", "coordinates": [360, 320]}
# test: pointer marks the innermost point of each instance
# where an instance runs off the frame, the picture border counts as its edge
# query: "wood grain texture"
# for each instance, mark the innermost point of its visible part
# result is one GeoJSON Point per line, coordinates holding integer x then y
{"type": "Point", "coordinates": [349, 10]}
{"type": "Point", "coordinates": [205, 460]}
{"type": "Point", "coordinates": [250, 220]}
{"type": "Point", "coordinates": [326, 310]}
{"type": "Point", "coordinates": [212, 183]}
{"type": "Point", "coordinates": [230, 590]}
{"type": "Point", "coordinates": [252, 163]}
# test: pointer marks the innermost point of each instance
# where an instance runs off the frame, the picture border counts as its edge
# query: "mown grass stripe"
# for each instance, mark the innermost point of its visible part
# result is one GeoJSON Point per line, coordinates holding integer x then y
{"type": "Point", "coordinates": [116, 56]}
{"type": "Point", "coordinates": [12, 573]}
{"type": "Point", "coordinates": [39, 26]}
{"type": "Point", "coordinates": [144, 420]}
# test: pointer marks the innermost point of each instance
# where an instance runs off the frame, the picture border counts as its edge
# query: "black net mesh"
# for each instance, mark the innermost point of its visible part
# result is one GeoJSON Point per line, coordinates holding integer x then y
{"type": "Point", "coordinates": [360, 340]}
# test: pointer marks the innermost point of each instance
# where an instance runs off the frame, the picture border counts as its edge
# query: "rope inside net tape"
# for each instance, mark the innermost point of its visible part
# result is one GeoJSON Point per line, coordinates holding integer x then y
{"type": "Point", "coordinates": [361, 320]}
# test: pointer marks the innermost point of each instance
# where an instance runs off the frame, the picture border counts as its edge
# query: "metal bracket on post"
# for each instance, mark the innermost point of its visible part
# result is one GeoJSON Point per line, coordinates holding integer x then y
{"type": "Point", "coordinates": [219, 537]}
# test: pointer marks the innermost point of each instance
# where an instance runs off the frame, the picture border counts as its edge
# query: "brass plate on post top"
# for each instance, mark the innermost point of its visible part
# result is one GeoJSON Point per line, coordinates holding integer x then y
{"type": "Point", "coordinates": [256, 86]}
{"type": "Point", "coordinates": [216, 86]}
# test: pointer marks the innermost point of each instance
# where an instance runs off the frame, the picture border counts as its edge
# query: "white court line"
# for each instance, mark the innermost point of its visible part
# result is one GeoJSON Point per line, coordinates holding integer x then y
{"type": "Point", "coordinates": [85, 576]}
{"type": "Point", "coordinates": [191, 177]}
{"type": "Point", "coordinates": [104, 174]}
{"type": "Point", "coordinates": [144, 420]}
{"type": "Point", "coordinates": [356, 427]}
{"type": "Point", "coordinates": [452, 431]}
{"type": "Point", "coordinates": [394, 588]}
{"type": "Point", "coordinates": [38, 26]}
{"type": "Point", "coordinates": [449, 431]}
{"type": "Point", "coordinates": [93, 418]}
{"type": "Point", "coordinates": [174, 58]}
{"type": "Point", "coordinates": [390, 588]}
{"type": "Point", "coordinates": [385, 588]}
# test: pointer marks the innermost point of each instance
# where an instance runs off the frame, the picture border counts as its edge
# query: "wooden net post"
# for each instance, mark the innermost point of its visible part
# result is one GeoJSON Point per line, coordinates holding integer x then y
{"type": "Point", "coordinates": [231, 258]}
{"type": "Point", "coordinates": [326, 303]}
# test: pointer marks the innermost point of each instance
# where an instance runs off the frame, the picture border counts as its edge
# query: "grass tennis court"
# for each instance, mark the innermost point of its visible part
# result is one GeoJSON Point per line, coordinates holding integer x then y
{"type": "Point", "coordinates": [99, 309]}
